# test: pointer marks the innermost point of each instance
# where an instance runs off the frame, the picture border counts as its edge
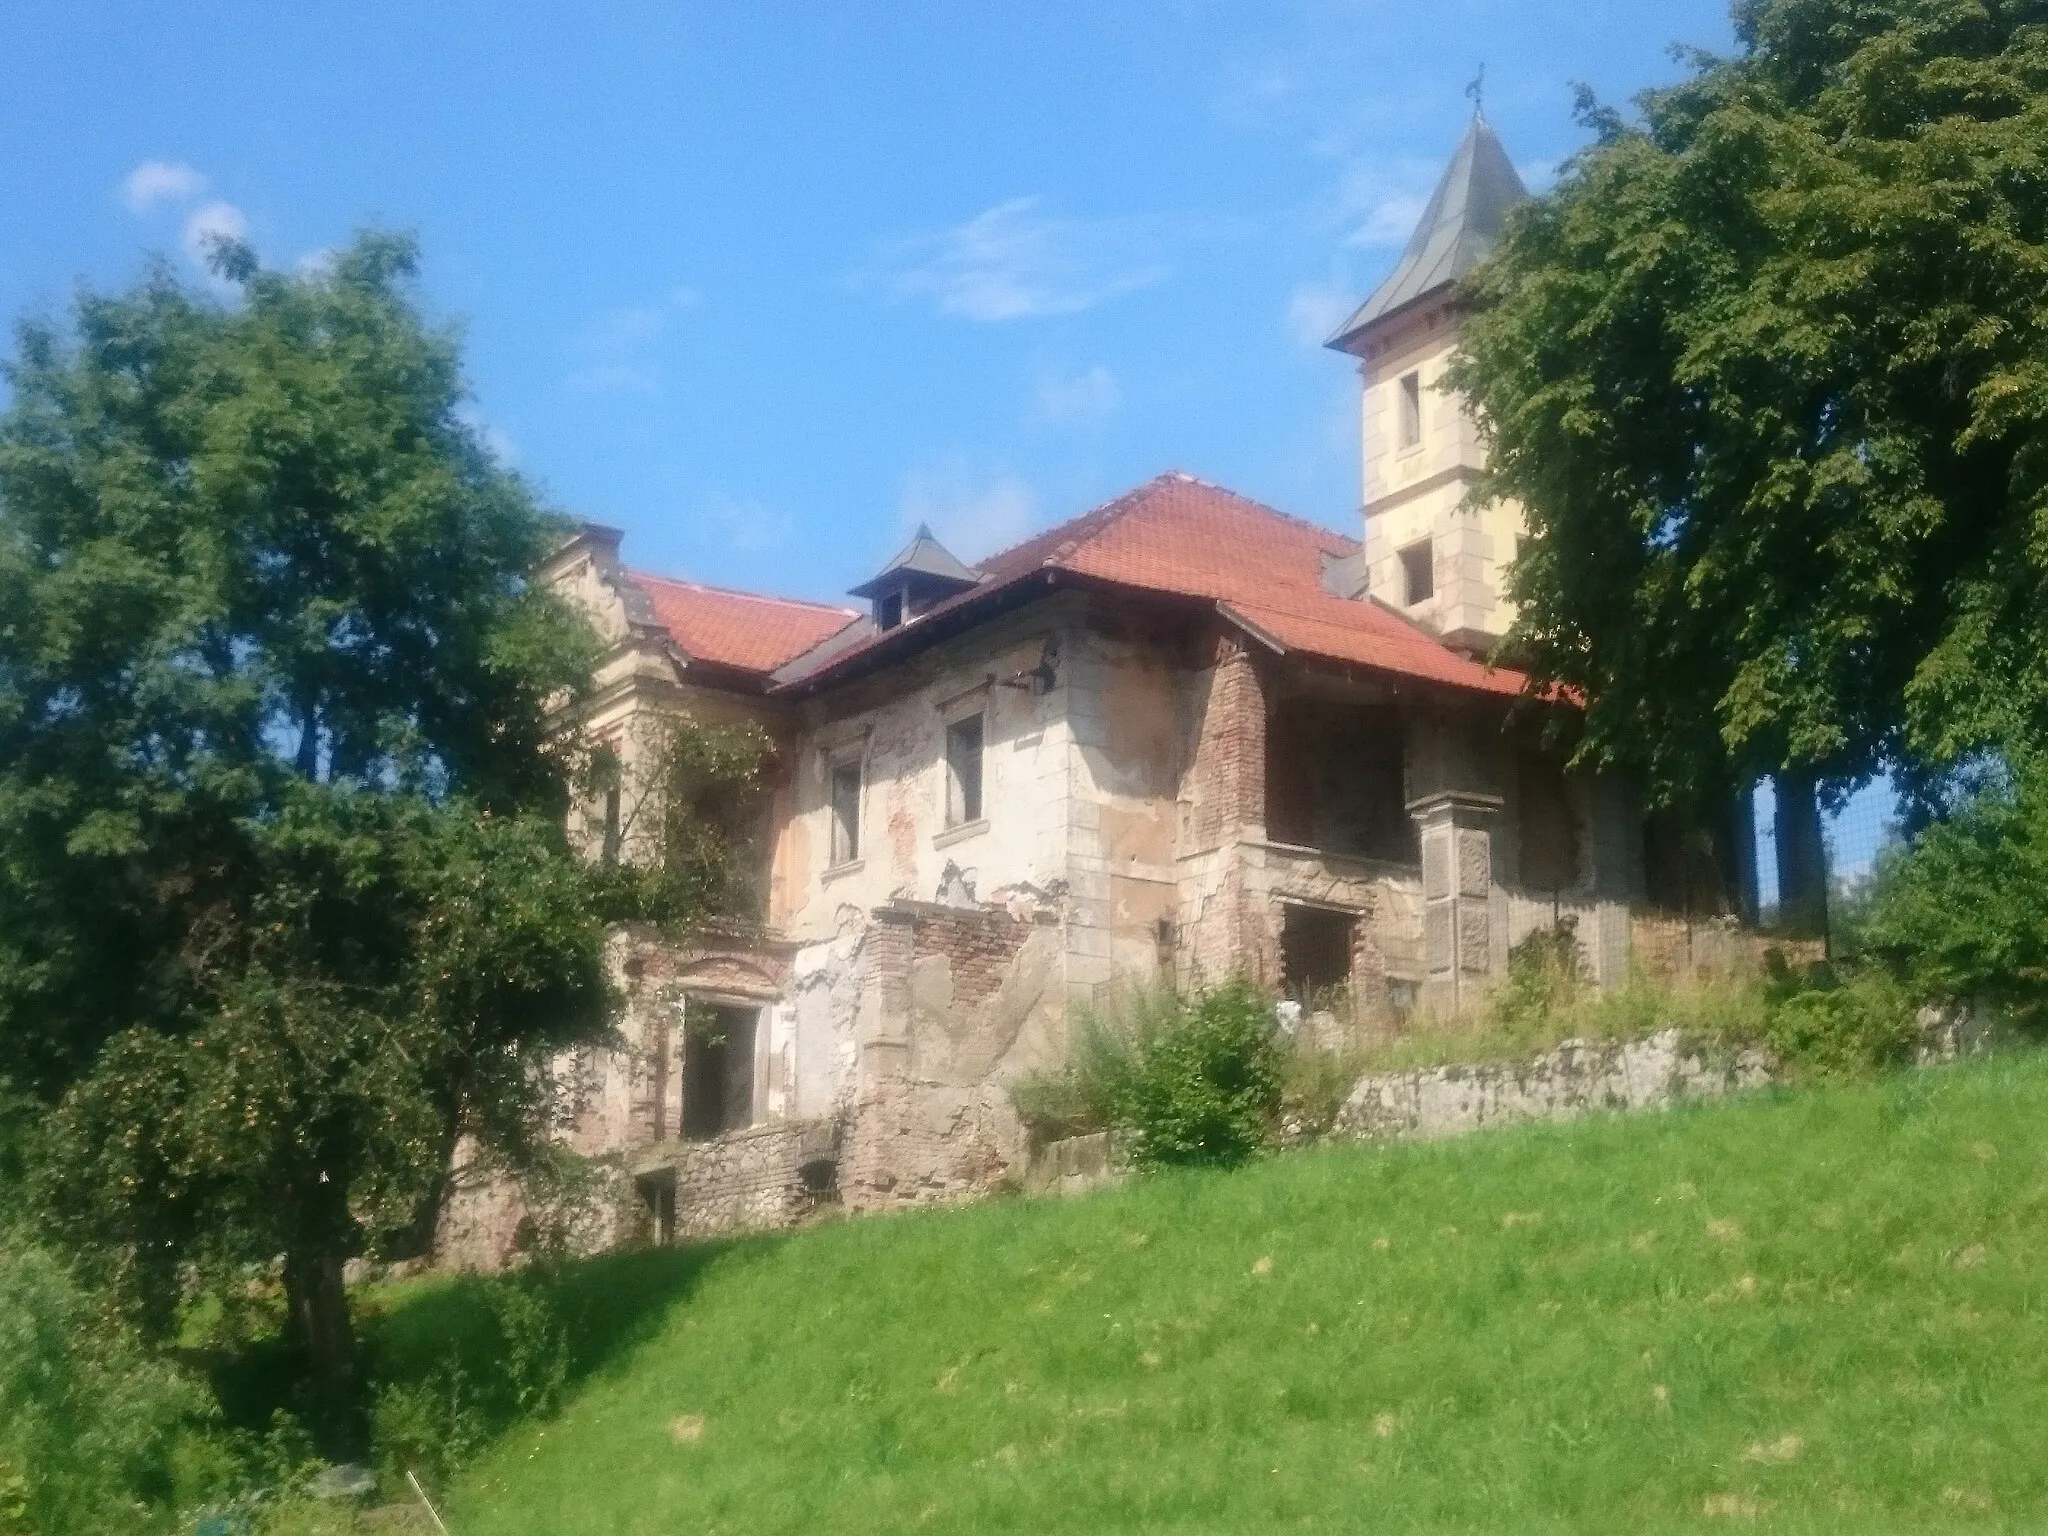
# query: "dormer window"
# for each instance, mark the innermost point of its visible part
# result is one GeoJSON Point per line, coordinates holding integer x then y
{"type": "Point", "coordinates": [922, 576]}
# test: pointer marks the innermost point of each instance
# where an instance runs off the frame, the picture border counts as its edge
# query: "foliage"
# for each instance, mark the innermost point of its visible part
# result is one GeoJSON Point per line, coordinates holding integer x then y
{"type": "Point", "coordinates": [1546, 975]}
{"type": "Point", "coordinates": [1960, 914]}
{"type": "Point", "coordinates": [1190, 1081]}
{"type": "Point", "coordinates": [682, 839]}
{"type": "Point", "coordinates": [1840, 1021]}
{"type": "Point", "coordinates": [288, 903]}
{"type": "Point", "coordinates": [88, 1421]}
{"type": "Point", "coordinates": [433, 1423]}
{"type": "Point", "coordinates": [1494, 1333]}
{"type": "Point", "coordinates": [1766, 373]}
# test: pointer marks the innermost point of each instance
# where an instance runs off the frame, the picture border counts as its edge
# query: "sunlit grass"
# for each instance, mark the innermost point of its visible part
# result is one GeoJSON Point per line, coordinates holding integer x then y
{"type": "Point", "coordinates": [1819, 1310]}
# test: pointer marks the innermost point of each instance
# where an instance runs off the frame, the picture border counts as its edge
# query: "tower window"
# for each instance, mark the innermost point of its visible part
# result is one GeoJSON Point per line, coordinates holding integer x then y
{"type": "Point", "coordinates": [845, 813]}
{"type": "Point", "coordinates": [889, 610]}
{"type": "Point", "coordinates": [1418, 573]}
{"type": "Point", "coordinates": [1411, 410]}
{"type": "Point", "coordinates": [963, 771]}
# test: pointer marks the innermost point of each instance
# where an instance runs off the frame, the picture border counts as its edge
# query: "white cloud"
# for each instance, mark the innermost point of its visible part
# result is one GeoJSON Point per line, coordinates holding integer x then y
{"type": "Point", "coordinates": [972, 511]}
{"type": "Point", "coordinates": [210, 222]}
{"type": "Point", "coordinates": [615, 345]}
{"type": "Point", "coordinates": [1083, 399]}
{"type": "Point", "coordinates": [1014, 261]}
{"type": "Point", "coordinates": [1315, 310]}
{"type": "Point", "coordinates": [1380, 203]}
{"type": "Point", "coordinates": [159, 181]}
{"type": "Point", "coordinates": [497, 441]}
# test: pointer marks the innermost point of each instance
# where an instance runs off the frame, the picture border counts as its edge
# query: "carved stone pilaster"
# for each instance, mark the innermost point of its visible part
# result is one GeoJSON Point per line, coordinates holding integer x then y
{"type": "Point", "coordinates": [1456, 829]}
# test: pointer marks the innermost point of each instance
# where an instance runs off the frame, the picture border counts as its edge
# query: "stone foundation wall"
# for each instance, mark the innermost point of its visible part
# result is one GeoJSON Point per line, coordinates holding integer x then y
{"type": "Point", "coordinates": [749, 1180]}
{"type": "Point", "coordinates": [1578, 1077]}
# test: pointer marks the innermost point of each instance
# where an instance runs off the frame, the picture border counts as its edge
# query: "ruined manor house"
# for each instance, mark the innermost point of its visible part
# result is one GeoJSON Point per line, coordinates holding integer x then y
{"type": "Point", "coordinates": [1179, 736]}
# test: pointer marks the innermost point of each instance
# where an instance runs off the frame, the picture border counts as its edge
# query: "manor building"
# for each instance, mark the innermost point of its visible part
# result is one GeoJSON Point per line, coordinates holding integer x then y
{"type": "Point", "coordinates": [1180, 736]}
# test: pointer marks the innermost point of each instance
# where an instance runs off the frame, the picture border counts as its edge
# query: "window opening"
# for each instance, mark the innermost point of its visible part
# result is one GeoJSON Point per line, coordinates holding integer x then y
{"type": "Point", "coordinates": [845, 813]}
{"type": "Point", "coordinates": [963, 770]}
{"type": "Point", "coordinates": [1315, 951]}
{"type": "Point", "coordinates": [889, 610]}
{"type": "Point", "coordinates": [1411, 409]}
{"type": "Point", "coordinates": [1418, 573]}
{"type": "Point", "coordinates": [718, 1070]}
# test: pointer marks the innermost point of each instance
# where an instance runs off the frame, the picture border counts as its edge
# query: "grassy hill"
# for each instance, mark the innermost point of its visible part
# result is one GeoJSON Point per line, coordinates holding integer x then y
{"type": "Point", "coordinates": [1824, 1310]}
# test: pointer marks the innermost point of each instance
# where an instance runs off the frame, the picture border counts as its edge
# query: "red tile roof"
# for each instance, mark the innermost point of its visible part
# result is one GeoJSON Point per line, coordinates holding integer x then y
{"type": "Point", "coordinates": [741, 630]}
{"type": "Point", "coordinates": [1181, 536]}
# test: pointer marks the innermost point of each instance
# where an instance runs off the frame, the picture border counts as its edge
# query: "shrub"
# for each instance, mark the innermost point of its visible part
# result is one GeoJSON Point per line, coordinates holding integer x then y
{"type": "Point", "coordinates": [88, 1421]}
{"type": "Point", "coordinates": [1546, 975]}
{"type": "Point", "coordinates": [1961, 913]}
{"type": "Point", "coordinates": [1839, 1022]}
{"type": "Point", "coordinates": [1205, 1093]}
{"type": "Point", "coordinates": [1190, 1081]}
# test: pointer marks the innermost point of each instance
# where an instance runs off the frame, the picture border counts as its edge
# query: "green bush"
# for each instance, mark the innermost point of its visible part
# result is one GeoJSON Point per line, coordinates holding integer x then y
{"type": "Point", "coordinates": [1961, 913]}
{"type": "Point", "coordinates": [1546, 975]}
{"type": "Point", "coordinates": [1206, 1092]}
{"type": "Point", "coordinates": [1189, 1081]}
{"type": "Point", "coordinates": [1839, 1022]}
{"type": "Point", "coordinates": [89, 1423]}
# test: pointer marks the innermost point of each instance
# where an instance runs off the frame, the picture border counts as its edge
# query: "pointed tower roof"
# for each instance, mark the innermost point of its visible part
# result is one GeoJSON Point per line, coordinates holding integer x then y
{"type": "Point", "coordinates": [924, 555]}
{"type": "Point", "coordinates": [1459, 229]}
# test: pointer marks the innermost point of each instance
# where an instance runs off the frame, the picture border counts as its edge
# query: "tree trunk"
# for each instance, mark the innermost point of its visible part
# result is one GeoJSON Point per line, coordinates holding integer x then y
{"type": "Point", "coordinates": [318, 1303]}
{"type": "Point", "coordinates": [1802, 856]}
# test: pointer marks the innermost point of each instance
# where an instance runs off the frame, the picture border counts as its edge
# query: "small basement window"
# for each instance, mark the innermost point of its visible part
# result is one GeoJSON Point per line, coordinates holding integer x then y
{"type": "Point", "coordinates": [718, 1069]}
{"type": "Point", "coordinates": [1315, 950]}
{"type": "Point", "coordinates": [1411, 410]}
{"type": "Point", "coordinates": [963, 770]}
{"type": "Point", "coordinates": [845, 813]}
{"type": "Point", "coordinates": [1418, 573]}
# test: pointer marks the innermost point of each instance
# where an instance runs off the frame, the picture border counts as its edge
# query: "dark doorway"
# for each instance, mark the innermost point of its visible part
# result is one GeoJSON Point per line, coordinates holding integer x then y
{"type": "Point", "coordinates": [1315, 950]}
{"type": "Point", "coordinates": [718, 1069]}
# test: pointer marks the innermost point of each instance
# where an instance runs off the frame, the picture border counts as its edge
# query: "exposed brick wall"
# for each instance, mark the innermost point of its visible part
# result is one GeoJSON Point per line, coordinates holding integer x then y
{"type": "Point", "coordinates": [1225, 792]}
{"type": "Point", "coordinates": [949, 990]}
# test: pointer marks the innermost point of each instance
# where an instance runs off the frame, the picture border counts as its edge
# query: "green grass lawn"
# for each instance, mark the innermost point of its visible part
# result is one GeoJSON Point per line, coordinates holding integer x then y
{"type": "Point", "coordinates": [1817, 1310]}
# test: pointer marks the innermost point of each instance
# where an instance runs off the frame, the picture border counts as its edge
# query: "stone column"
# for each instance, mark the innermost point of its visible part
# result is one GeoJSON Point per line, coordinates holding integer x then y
{"type": "Point", "coordinates": [1457, 886]}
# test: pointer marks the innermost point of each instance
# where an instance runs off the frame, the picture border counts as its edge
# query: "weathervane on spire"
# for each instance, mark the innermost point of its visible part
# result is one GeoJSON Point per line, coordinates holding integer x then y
{"type": "Point", "coordinates": [1477, 91]}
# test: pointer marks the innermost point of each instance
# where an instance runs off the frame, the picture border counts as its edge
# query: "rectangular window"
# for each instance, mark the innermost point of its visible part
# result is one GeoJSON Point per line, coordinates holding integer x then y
{"type": "Point", "coordinates": [1411, 409]}
{"type": "Point", "coordinates": [963, 771]}
{"type": "Point", "coordinates": [1315, 952]}
{"type": "Point", "coordinates": [845, 812]}
{"type": "Point", "coordinates": [889, 611]}
{"type": "Point", "coordinates": [1418, 573]}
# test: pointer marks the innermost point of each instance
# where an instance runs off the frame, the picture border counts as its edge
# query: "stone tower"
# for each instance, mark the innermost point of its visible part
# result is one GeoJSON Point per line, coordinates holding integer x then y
{"type": "Point", "coordinates": [1424, 555]}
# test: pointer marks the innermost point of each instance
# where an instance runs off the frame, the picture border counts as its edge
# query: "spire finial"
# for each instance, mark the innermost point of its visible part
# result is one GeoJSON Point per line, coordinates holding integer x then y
{"type": "Point", "coordinates": [1477, 91]}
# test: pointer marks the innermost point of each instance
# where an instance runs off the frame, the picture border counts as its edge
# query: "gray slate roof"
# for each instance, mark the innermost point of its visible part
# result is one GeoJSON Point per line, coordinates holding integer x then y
{"type": "Point", "coordinates": [924, 555]}
{"type": "Point", "coordinates": [1458, 229]}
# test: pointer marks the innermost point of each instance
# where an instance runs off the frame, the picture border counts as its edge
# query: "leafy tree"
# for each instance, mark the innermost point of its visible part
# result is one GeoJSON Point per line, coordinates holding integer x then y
{"type": "Point", "coordinates": [1769, 372]}
{"type": "Point", "coordinates": [286, 902]}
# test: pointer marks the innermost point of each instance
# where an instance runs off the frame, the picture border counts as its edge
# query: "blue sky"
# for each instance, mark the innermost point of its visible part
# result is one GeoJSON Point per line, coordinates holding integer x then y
{"type": "Point", "coordinates": [767, 284]}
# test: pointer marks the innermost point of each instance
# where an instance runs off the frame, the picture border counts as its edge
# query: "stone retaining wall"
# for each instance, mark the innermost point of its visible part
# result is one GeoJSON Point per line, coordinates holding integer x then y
{"type": "Point", "coordinates": [748, 1180]}
{"type": "Point", "coordinates": [1579, 1076]}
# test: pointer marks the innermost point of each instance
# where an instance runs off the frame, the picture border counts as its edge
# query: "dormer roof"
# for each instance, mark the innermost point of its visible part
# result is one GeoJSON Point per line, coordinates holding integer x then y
{"type": "Point", "coordinates": [1458, 230]}
{"type": "Point", "coordinates": [923, 559]}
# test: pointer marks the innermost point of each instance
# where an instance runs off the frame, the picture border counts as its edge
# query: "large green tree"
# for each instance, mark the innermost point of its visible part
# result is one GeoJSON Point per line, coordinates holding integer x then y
{"type": "Point", "coordinates": [1768, 370]}
{"type": "Point", "coordinates": [285, 899]}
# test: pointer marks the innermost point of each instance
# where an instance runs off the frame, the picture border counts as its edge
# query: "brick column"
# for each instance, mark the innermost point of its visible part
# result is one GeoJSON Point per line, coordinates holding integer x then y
{"type": "Point", "coordinates": [1457, 884]}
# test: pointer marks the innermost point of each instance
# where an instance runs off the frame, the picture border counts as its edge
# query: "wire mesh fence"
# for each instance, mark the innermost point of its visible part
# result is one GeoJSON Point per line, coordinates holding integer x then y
{"type": "Point", "coordinates": [1856, 835]}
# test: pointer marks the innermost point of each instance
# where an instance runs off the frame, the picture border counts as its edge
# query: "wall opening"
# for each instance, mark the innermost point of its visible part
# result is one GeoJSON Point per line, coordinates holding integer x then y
{"type": "Point", "coordinates": [1315, 950]}
{"type": "Point", "coordinates": [658, 1196]}
{"type": "Point", "coordinates": [1418, 573]}
{"type": "Point", "coordinates": [1547, 826]}
{"type": "Point", "coordinates": [845, 812]}
{"type": "Point", "coordinates": [963, 770]}
{"type": "Point", "coordinates": [718, 1069]}
{"type": "Point", "coordinates": [1336, 777]}
{"type": "Point", "coordinates": [1411, 409]}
